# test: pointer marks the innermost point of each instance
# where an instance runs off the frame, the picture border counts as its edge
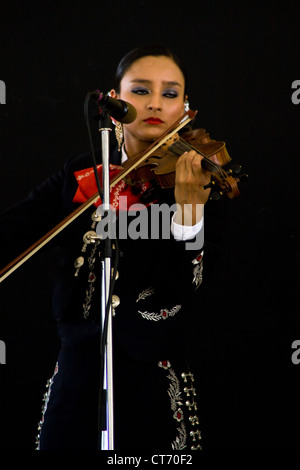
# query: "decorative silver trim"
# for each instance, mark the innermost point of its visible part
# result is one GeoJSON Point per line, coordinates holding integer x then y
{"type": "Point", "coordinates": [162, 315]}
{"type": "Point", "coordinates": [91, 280]}
{"type": "Point", "coordinates": [46, 398]}
{"type": "Point", "coordinates": [177, 403]}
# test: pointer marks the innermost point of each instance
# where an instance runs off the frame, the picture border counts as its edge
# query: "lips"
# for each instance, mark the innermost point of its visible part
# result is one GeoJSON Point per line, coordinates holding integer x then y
{"type": "Point", "coordinates": [153, 121]}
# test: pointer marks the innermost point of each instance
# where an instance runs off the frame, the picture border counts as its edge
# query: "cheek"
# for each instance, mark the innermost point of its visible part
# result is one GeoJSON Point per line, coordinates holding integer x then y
{"type": "Point", "coordinates": [133, 128]}
{"type": "Point", "coordinates": [177, 109]}
{"type": "Point", "coordinates": [130, 98]}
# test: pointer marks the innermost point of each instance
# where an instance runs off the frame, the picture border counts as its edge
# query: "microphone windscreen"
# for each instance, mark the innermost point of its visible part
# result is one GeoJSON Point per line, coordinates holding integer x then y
{"type": "Point", "coordinates": [130, 115]}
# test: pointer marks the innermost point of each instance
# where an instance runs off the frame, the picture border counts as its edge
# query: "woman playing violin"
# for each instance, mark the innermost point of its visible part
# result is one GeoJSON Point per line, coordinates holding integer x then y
{"type": "Point", "coordinates": [155, 403]}
{"type": "Point", "coordinates": [155, 85]}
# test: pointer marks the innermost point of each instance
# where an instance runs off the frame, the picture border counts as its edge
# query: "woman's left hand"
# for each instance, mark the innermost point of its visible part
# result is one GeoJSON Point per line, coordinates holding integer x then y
{"type": "Point", "coordinates": [190, 194]}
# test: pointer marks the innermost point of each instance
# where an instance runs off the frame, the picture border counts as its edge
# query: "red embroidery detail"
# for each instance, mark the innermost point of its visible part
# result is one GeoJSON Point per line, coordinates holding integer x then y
{"type": "Point", "coordinates": [87, 188]}
{"type": "Point", "coordinates": [164, 364]}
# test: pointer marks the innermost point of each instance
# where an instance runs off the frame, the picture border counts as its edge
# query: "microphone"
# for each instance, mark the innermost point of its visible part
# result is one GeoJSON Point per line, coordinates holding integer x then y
{"type": "Point", "coordinates": [118, 109]}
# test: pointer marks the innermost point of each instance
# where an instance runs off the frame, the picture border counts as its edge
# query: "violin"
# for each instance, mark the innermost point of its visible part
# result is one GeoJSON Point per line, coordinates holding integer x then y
{"type": "Point", "coordinates": [157, 162]}
{"type": "Point", "coordinates": [160, 165]}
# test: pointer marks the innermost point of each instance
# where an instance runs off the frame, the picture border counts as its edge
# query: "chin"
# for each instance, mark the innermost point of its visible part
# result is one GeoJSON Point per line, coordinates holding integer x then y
{"type": "Point", "coordinates": [153, 134]}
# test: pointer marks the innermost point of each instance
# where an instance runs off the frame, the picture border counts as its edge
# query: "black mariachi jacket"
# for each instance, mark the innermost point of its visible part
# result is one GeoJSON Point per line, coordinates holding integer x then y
{"type": "Point", "coordinates": [157, 278]}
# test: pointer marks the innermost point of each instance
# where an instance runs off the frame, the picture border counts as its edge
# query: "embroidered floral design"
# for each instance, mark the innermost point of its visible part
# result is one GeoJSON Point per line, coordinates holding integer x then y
{"type": "Point", "coordinates": [164, 364]}
{"type": "Point", "coordinates": [86, 174]}
{"type": "Point", "coordinates": [178, 415]}
{"type": "Point", "coordinates": [198, 270]}
{"type": "Point", "coordinates": [177, 403]}
{"type": "Point", "coordinates": [145, 293]}
{"type": "Point", "coordinates": [174, 393]}
{"type": "Point", "coordinates": [198, 258]}
{"type": "Point", "coordinates": [174, 390]}
{"type": "Point", "coordinates": [180, 442]}
{"type": "Point", "coordinates": [116, 194]}
{"type": "Point", "coordinates": [46, 398]}
{"type": "Point", "coordinates": [162, 315]}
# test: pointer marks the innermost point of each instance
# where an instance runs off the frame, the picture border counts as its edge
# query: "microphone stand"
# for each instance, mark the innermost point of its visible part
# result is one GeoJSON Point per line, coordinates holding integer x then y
{"type": "Point", "coordinates": [107, 433]}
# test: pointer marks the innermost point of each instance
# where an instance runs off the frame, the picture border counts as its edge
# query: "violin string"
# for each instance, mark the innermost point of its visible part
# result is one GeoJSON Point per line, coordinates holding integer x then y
{"type": "Point", "coordinates": [217, 167]}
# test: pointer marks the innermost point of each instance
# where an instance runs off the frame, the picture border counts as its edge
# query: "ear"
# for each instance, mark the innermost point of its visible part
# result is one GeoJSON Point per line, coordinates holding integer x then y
{"type": "Point", "coordinates": [113, 94]}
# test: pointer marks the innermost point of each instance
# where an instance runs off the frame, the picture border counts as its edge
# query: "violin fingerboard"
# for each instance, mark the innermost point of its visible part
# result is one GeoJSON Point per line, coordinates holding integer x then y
{"type": "Point", "coordinates": [179, 148]}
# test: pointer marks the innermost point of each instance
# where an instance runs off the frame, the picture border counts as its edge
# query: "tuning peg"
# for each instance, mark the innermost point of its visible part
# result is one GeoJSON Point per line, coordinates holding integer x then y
{"type": "Point", "coordinates": [243, 177]}
{"type": "Point", "coordinates": [210, 185]}
{"type": "Point", "coordinates": [216, 195]}
{"type": "Point", "coordinates": [236, 169]}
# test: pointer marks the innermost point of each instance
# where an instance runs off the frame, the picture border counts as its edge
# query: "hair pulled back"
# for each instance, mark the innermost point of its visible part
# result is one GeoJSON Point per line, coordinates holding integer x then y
{"type": "Point", "coordinates": [144, 51]}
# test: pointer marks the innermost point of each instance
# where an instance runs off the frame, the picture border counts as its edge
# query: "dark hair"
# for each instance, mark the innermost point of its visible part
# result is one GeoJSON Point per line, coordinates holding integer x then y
{"type": "Point", "coordinates": [143, 51]}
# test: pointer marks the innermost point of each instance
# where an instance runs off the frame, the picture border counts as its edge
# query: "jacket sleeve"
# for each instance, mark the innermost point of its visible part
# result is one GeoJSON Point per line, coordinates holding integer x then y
{"type": "Point", "coordinates": [27, 221]}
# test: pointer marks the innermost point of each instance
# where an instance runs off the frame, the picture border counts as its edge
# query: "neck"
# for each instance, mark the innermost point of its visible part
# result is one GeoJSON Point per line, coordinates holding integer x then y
{"type": "Point", "coordinates": [134, 148]}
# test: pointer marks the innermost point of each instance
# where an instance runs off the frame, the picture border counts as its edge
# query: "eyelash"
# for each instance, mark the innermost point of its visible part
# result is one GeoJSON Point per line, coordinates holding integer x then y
{"type": "Point", "coordinates": [144, 91]}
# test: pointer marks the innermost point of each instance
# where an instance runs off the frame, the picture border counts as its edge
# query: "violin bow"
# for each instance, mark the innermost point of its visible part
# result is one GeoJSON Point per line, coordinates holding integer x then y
{"type": "Point", "coordinates": [135, 161]}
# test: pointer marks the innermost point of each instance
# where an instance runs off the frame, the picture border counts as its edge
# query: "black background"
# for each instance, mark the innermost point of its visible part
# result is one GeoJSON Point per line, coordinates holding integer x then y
{"type": "Point", "coordinates": [242, 58]}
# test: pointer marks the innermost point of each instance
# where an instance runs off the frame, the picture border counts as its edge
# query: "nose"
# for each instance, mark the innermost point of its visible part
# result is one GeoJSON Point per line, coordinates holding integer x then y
{"type": "Point", "coordinates": [154, 103]}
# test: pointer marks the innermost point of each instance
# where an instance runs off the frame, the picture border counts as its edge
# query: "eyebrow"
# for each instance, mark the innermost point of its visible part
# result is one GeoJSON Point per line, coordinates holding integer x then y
{"type": "Point", "coordinates": [168, 83]}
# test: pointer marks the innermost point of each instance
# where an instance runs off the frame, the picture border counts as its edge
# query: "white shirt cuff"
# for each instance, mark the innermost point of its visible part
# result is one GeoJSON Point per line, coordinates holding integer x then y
{"type": "Point", "coordinates": [185, 232]}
